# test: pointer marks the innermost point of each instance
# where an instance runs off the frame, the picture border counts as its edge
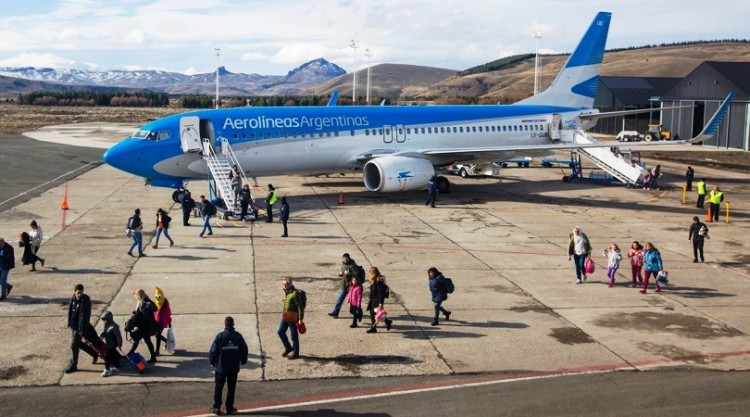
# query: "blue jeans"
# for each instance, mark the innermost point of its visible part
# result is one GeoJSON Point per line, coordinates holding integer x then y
{"type": "Point", "coordinates": [207, 225]}
{"type": "Point", "coordinates": [339, 302]}
{"type": "Point", "coordinates": [137, 241]}
{"type": "Point", "coordinates": [159, 231]}
{"type": "Point", "coordinates": [4, 281]}
{"type": "Point", "coordinates": [580, 262]}
{"type": "Point", "coordinates": [294, 347]}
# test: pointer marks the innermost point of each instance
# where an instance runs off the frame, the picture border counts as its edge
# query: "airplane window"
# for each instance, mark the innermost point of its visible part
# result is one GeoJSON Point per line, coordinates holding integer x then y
{"type": "Point", "coordinates": [352, 133]}
{"type": "Point", "coordinates": [408, 131]}
{"type": "Point", "coordinates": [473, 128]}
{"type": "Point", "coordinates": [320, 134]}
{"type": "Point", "coordinates": [455, 129]}
{"type": "Point", "coordinates": [164, 135]}
{"type": "Point", "coordinates": [461, 129]}
{"type": "Point", "coordinates": [286, 135]}
{"type": "Point", "coordinates": [367, 132]}
{"type": "Point", "coordinates": [252, 136]}
{"type": "Point", "coordinates": [244, 136]}
{"type": "Point", "coordinates": [400, 131]}
{"type": "Point", "coordinates": [480, 129]}
{"type": "Point", "coordinates": [429, 130]}
{"type": "Point", "coordinates": [328, 134]}
{"type": "Point", "coordinates": [423, 131]}
{"type": "Point", "coordinates": [380, 132]}
{"type": "Point", "coordinates": [234, 136]}
{"type": "Point", "coordinates": [387, 132]}
{"type": "Point", "coordinates": [336, 133]}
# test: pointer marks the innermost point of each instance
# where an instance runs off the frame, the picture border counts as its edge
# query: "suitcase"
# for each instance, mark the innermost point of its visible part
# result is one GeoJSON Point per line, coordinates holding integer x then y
{"type": "Point", "coordinates": [138, 362]}
{"type": "Point", "coordinates": [95, 343]}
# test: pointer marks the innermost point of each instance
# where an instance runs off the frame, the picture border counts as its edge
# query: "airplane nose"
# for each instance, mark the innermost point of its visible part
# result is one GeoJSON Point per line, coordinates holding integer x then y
{"type": "Point", "coordinates": [120, 156]}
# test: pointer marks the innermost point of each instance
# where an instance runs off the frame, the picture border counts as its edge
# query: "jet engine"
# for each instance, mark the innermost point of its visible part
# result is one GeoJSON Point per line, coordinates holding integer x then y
{"type": "Point", "coordinates": [397, 173]}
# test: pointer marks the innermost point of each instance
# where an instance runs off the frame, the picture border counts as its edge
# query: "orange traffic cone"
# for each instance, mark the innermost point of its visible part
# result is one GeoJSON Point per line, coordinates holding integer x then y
{"type": "Point", "coordinates": [64, 204]}
{"type": "Point", "coordinates": [709, 215]}
{"type": "Point", "coordinates": [341, 197]}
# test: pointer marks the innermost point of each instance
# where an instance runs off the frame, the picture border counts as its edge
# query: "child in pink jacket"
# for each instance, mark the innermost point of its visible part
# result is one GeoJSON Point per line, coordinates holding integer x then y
{"type": "Point", "coordinates": [355, 301]}
{"type": "Point", "coordinates": [636, 262]}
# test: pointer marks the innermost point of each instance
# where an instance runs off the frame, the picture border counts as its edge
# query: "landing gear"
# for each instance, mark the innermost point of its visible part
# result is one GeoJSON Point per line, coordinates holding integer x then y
{"type": "Point", "coordinates": [178, 195]}
{"type": "Point", "coordinates": [443, 186]}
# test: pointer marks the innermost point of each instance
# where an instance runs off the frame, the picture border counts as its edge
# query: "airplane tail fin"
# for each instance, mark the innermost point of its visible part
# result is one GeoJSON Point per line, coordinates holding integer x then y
{"type": "Point", "coordinates": [575, 85]}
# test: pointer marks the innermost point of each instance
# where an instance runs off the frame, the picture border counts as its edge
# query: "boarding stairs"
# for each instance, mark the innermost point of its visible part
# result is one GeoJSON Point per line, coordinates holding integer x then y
{"type": "Point", "coordinates": [219, 166]}
{"type": "Point", "coordinates": [614, 163]}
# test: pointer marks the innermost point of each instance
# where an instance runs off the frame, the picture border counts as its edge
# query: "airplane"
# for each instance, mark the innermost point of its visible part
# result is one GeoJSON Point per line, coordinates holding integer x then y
{"type": "Point", "coordinates": [396, 148]}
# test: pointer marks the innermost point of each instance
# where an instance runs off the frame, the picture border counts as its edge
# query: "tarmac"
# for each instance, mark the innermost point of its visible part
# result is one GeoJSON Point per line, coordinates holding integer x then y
{"type": "Point", "coordinates": [503, 241]}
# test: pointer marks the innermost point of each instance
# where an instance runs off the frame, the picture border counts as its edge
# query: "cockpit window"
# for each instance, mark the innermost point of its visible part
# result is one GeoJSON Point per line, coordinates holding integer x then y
{"type": "Point", "coordinates": [141, 134]}
{"type": "Point", "coordinates": [163, 135]}
{"type": "Point", "coordinates": [152, 136]}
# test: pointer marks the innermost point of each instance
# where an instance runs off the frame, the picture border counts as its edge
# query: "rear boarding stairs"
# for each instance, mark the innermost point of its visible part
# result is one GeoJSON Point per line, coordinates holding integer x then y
{"type": "Point", "coordinates": [618, 166]}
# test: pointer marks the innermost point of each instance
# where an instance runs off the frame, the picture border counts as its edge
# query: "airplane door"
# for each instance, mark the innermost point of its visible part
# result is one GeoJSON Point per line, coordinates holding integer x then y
{"type": "Point", "coordinates": [388, 133]}
{"type": "Point", "coordinates": [554, 128]}
{"type": "Point", "coordinates": [190, 136]}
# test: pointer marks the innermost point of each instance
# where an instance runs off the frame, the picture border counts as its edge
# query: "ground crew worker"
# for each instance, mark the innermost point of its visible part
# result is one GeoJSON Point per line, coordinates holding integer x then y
{"type": "Point", "coordinates": [716, 196]}
{"type": "Point", "coordinates": [701, 189]}
{"type": "Point", "coordinates": [270, 201]}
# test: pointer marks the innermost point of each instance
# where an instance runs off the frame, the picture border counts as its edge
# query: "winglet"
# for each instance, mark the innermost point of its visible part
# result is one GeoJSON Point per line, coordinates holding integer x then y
{"type": "Point", "coordinates": [334, 99]}
{"type": "Point", "coordinates": [712, 127]}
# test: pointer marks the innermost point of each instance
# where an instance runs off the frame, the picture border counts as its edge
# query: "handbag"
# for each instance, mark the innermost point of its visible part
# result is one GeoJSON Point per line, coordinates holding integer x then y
{"type": "Point", "coordinates": [171, 343]}
{"type": "Point", "coordinates": [380, 314]}
{"type": "Point", "coordinates": [289, 316]}
{"type": "Point", "coordinates": [301, 328]}
{"type": "Point", "coordinates": [589, 266]}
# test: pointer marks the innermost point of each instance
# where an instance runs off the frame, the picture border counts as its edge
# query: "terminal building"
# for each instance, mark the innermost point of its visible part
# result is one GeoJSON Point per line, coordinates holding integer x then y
{"type": "Point", "coordinates": [702, 91]}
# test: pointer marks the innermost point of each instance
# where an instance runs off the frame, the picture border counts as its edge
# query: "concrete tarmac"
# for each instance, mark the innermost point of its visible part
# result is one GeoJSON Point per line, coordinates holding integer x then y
{"type": "Point", "coordinates": [503, 241]}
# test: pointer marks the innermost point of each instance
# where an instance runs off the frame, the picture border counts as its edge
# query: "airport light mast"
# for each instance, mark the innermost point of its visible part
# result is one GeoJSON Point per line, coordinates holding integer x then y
{"type": "Point", "coordinates": [368, 54]}
{"type": "Point", "coordinates": [218, 56]}
{"type": "Point", "coordinates": [537, 64]}
{"type": "Point", "coordinates": [354, 45]}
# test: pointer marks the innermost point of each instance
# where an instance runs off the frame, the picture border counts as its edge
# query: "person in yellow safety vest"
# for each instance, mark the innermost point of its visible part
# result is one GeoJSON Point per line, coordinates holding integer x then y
{"type": "Point", "coordinates": [270, 201]}
{"type": "Point", "coordinates": [701, 189]}
{"type": "Point", "coordinates": [716, 196]}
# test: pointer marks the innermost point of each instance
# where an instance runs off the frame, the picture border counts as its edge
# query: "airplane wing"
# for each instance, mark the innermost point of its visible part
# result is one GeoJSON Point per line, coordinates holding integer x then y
{"type": "Point", "coordinates": [489, 153]}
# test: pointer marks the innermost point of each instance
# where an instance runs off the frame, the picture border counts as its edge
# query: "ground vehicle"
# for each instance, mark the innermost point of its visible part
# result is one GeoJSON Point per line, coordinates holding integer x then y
{"type": "Point", "coordinates": [629, 136]}
{"type": "Point", "coordinates": [522, 162]}
{"type": "Point", "coordinates": [657, 132]}
{"type": "Point", "coordinates": [472, 170]}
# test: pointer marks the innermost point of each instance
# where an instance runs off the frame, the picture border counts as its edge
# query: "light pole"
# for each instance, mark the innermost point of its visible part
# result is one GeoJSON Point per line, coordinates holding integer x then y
{"type": "Point", "coordinates": [537, 64]}
{"type": "Point", "coordinates": [354, 45]}
{"type": "Point", "coordinates": [218, 56]}
{"type": "Point", "coordinates": [368, 54]}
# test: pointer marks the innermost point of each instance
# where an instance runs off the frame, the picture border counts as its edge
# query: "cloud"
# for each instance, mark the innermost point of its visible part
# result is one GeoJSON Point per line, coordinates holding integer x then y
{"type": "Point", "coordinates": [38, 60]}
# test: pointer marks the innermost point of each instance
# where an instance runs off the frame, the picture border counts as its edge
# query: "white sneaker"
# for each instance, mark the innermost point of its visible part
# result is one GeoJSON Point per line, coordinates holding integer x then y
{"type": "Point", "coordinates": [113, 371]}
{"type": "Point", "coordinates": [106, 373]}
{"type": "Point", "coordinates": [578, 281]}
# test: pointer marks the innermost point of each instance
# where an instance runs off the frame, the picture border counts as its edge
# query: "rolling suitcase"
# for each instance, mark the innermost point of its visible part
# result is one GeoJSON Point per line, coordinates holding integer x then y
{"type": "Point", "coordinates": [138, 362]}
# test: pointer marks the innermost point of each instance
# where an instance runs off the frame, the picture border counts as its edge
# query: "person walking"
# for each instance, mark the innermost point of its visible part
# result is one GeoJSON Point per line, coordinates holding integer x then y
{"type": "Point", "coordinates": [715, 197]}
{"type": "Point", "coordinates": [207, 209]}
{"type": "Point", "coordinates": [355, 301]}
{"type": "Point", "coordinates": [144, 325]}
{"type": "Point", "coordinates": [439, 291]}
{"type": "Point", "coordinates": [245, 200]}
{"type": "Point", "coordinates": [376, 301]}
{"type": "Point", "coordinates": [36, 235]}
{"type": "Point", "coordinates": [579, 249]}
{"type": "Point", "coordinates": [689, 178]}
{"type": "Point", "coordinates": [7, 262]}
{"type": "Point", "coordinates": [187, 204]}
{"type": "Point", "coordinates": [284, 215]}
{"type": "Point", "coordinates": [347, 270]}
{"type": "Point", "coordinates": [613, 256]}
{"type": "Point", "coordinates": [135, 230]}
{"type": "Point", "coordinates": [636, 262]}
{"type": "Point", "coordinates": [432, 191]}
{"type": "Point", "coordinates": [697, 234]}
{"type": "Point", "coordinates": [270, 201]}
{"type": "Point", "coordinates": [655, 174]}
{"type": "Point", "coordinates": [29, 257]}
{"type": "Point", "coordinates": [700, 188]}
{"type": "Point", "coordinates": [79, 323]}
{"type": "Point", "coordinates": [162, 226]}
{"type": "Point", "coordinates": [162, 316]}
{"type": "Point", "coordinates": [653, 264]}
{"type": "Point", "coordinates": [113, 342]}
{"type": "Point", "coordinates": [292, 315]}
{"type": "Point", "coordinates": [228, 351]}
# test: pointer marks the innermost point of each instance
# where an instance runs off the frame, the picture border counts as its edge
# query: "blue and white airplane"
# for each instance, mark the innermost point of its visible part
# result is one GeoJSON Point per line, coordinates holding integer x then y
{"type": "Point", "coordinates": [396, 147]}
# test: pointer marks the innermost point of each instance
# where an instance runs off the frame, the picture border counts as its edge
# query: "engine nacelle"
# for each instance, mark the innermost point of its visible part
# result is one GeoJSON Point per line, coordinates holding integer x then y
{"type": "Point", "coordinates": [397, 173]}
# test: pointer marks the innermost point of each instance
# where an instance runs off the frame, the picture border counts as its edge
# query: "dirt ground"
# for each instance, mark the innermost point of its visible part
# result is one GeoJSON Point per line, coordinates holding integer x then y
{"type": "Point", "coordinates": [16, 119]}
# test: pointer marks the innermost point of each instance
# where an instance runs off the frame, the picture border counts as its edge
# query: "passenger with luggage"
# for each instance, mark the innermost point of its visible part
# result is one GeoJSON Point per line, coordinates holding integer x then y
{"type": "Point", "coordinates": [142, 325]}
{"type": "Point", "coordinates": [697, 234]}
{"type": "Point", "coordinates": [112, 343]}
{"type": "Point", "coordinates": [207, 209]}
{"type": "Point", "coordinates": [439, 291]}
{"type": "Point", "coordinates": [29, 257]}
{"type": "Point", "coordinates": [135, 231]}
{"type": "Point", "coordinates": [187, 205]}
{"type": "Point", "coordinates": [162, 316]}
{"type": "Point", "coordinates": [579, 249]}
{"type": "Point", "coordinates": [79, 323]}
{"type": "Point", "coordinates": [379, 291]}
{"type": "Point", "coordinates": [347, 270]}
{"type": "Point", "coordinates": [653, 264]}
{"type": "Point", "coordinates": [292, 317]}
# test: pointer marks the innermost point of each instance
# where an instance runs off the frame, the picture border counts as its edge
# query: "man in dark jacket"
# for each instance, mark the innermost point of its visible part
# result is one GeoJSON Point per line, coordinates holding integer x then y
{"type": "Point", "coordinates": [79, 322]}
{"type": "Point", "coordinates": [697, 234]}
{"type": "Point", "coordinates": [284, 215]}
{"type": "Point", "coordinates": [439, 291]}
{"type": "Point", "coordinates": [228, 351]}
{"type": "Point", "coordinates": [347, 270]}
{"type": "Point", "coordinates": [207, 210]}
{"type": "Point", "coordinates": [188, 204]}
{"type": "Point", "coordinates": [7, 262]}
{"type": "Point", "coordinates": [113, 342]}
{"type": "Point", "coordinates": [432, 192]}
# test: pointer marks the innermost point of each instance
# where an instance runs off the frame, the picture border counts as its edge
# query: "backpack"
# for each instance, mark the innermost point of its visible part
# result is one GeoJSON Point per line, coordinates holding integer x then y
{"type": "Point", "coordinates": [302, 297]}
{"type": "Point", "coordinates": [133, 223]}
{"type": "Point", "coordinates": [703, 231]}
{"type": "Point", "coordinates": [129, 324]}
{"type": "Point", "coordinates": [210, 208]}
{"type": "Point", "coordinates": [449, 285]}
{"type": "Point", "coordinates": [361, 275]}
{"type": "Point", "coordinates": [386, 291]}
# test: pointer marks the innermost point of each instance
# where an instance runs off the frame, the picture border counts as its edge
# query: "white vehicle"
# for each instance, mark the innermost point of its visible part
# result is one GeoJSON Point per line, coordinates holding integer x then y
{"type": "Point", "coordinates": [474, 170]}
{"type": "Point", "coordinates": [629, 136]}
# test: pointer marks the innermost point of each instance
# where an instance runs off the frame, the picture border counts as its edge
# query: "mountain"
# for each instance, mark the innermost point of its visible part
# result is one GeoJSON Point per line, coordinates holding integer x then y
{"type": "Point", "coordinates": [304, 76]}
{"type": "Point", "coordinates": [10, 87]}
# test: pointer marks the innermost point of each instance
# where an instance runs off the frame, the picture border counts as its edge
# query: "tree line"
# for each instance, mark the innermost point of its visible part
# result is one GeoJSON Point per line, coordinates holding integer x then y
{"type": "Point", "coordinates": [94, 98]}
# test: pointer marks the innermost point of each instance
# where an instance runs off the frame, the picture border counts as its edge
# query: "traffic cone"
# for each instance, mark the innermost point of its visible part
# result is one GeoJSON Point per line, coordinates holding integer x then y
{"type": "Point", "coordinates": [708, 215]}
{"type": "Point", "coordinates": [64, 204]}
{"type": "Point", "coordinates": [341, 197]}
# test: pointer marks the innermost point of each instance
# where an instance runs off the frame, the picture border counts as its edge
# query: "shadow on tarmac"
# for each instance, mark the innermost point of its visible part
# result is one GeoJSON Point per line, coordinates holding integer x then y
{"type": "Point", "coordinates": [315, 413]}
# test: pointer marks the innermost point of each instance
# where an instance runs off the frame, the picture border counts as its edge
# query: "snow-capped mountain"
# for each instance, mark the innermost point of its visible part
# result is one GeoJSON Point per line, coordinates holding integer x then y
{"type": "Point", "coordinates": [304, 76]}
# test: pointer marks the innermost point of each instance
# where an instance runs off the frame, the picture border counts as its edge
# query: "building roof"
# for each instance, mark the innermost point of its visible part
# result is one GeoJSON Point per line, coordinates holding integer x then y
{"type": "Point", "coordinates": [736, 72]}
{"type": "Point", "coordinates": [635, 91]}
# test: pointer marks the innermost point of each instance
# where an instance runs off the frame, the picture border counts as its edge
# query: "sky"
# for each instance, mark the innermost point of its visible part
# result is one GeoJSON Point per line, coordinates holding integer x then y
{"type": "Point", "coordinates": [271, 37]}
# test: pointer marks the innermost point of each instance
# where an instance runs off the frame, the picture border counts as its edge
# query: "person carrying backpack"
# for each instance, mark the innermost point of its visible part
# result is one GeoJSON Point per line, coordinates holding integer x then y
{"type": "Point", "coordinates": [697, 235]}
{"type": "Point", "coordinates": [439, 290]}
{"type": "Point", "coordinates": [162, 226]}
{"type": "Point", "coordinates": [207, 210]}
{"type": "Point", "coordinates": [347, 270]}
{"type": "Point", "coordinates": [142, 324]}
{"type": "Point", "coordinates": [292, 315]}
{"type": "Point", "coordinates": [135, 231]}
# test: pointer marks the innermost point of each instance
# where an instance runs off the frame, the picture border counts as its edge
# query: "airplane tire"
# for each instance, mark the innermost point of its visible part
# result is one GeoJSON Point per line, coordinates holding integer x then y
{"type": "Point", "coordinates": [443, 185]}
{"type": "Point", "coordinates": [566, 178]}
{"type": "Point", "coordinates": [178, 196]}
